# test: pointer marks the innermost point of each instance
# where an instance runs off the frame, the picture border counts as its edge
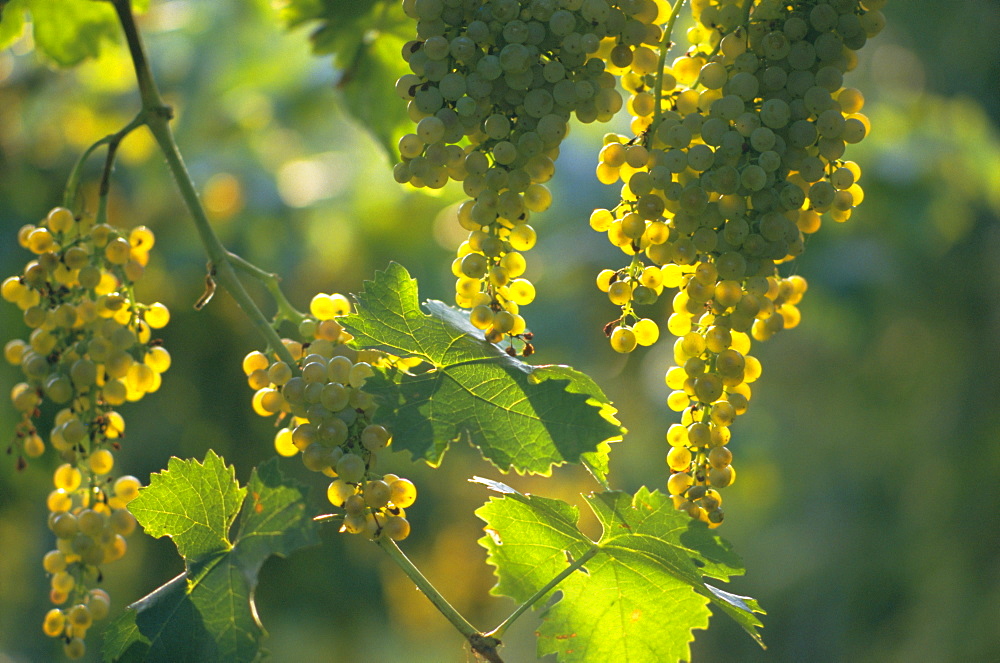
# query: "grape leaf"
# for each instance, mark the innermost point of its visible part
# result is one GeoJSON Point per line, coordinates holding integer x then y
{"type": "Point", "coordinates": [11, 22]}
{"type": "Point", "coordinates": [524, 417]}
{"type": "Point", "coordinates": [207, 613]}
{"type": "Point", "coordinates": [366, 38]}
{"type": "Point", "coordinates": [640, 595]}
{"type": "Point", "coordinates": [65, 31]}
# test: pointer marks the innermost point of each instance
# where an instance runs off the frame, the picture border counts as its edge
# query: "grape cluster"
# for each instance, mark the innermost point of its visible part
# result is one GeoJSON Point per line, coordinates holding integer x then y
{"type": "Point", "coordinates": [738, 151]}
{"type": "Point", "coordinates": [330, 419]}
{"type": "Point", "coordinates": [503, 77]}
{"type": "Point", "coordinates": [90, 350]}
{"type": "Point", "coordinates": [90, 525]}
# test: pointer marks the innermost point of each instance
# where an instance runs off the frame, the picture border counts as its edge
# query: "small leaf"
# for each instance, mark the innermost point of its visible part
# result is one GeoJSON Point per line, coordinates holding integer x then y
{"type": "Point", "coordinates": [192, 503]}
{"type": "Point", "coordinates": [519, 416]}
{"type": "Point", "coordinates": [70, 31]}
{"type": "Point", "coordinates": [642, 593]}
{"type": "Point", "coordinates": [11, 22]}
{"type": "Point", "coordinates": [496, 486]}
{"type": "Point", "coordinates": [207, 613]}
{"type": "Point", "coordinates": [65, 31]}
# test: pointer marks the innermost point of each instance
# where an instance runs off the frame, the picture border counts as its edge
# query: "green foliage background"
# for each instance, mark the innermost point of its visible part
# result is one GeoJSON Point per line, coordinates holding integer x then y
{"type": "Point", "coordinates": [866, 500]}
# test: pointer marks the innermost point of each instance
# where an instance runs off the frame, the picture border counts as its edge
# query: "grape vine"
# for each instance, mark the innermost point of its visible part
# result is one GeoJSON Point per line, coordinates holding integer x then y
{"type": "Point", "coordinates": [736, 152]}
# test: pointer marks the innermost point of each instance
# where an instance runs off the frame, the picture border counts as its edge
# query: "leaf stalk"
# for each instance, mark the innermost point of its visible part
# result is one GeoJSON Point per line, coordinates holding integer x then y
{"type": "Point", "coordinates": [499, 631]}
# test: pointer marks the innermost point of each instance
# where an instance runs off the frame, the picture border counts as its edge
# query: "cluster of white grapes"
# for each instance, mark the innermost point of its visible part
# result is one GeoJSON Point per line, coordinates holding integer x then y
{"type": "Point", "coordinates": [738, 151]}
{"type": "Point", "coordinates": [90, 350]}
{"type": "Point", "coordinates": [493, 87]}
{"type": "Point", "coordinates": [329, 419]}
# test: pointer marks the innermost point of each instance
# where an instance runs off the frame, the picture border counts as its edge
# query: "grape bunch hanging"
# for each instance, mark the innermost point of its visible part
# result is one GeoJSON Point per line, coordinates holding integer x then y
{"type": "Point", "coordinates": [90, 350]}
{"type": "Point", "coordinates": [737, 153]}
{"type": "Point", "coordinates": [493, 87]}
{"type": "Point", "coordinates": [327, 418]}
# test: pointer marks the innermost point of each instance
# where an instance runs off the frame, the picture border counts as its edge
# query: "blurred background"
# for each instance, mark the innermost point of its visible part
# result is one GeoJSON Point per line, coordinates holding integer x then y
{"type": "Point", "coordinates": [867, 500]}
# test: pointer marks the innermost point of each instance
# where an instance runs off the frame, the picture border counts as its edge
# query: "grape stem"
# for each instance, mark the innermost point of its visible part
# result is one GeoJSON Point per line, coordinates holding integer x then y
{"type": "Point", "coordinates": [540, 594]}
{"type": "Point", "coordinates": [156, 115]}
{"type": "Point", "coordinates": [484, 644]}
{"type": "Point", "coordinates": [72, 191]}
{"type": "Point", "coordinates": [665, 45]}
{"type": "Point", "coordinates": [272, 282]}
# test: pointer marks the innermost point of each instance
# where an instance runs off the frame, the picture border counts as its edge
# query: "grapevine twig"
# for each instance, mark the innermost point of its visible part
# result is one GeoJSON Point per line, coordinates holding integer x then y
{"type": "Point", "coordinates": [272, 282]}
{"type": "Point", "coordinates": [665, 45]}
{"type": "Point", "coordinates": [484, 644]}
{"type": "Point", "coordinates": [158, 116]}
{"type": "Point", "coordinates": [72, 191]}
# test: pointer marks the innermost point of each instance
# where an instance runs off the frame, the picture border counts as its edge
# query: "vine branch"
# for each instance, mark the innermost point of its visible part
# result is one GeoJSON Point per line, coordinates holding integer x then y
{"type": "Point", "coordinates": [485, 645]}
{"type": "Point", "coordinates": [157, 118]}
{"type": "Point", "coordinates": [272, 282]}
{"type": "Point", "coordinates": [72, 191]}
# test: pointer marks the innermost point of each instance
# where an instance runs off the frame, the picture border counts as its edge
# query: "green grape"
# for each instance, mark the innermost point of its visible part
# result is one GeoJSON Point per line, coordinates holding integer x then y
{"type": "Point", "coordinates": [377, 493]}
{"type": "Point", "coordinates": [720, 457]}
{"type": "Point", "coordinates": [67, 477]}
{"type": "Point", "coordinates": [396, 528]}
{"type": "Point", "coordinates": [338, 370]}
{"type": "Point", "coordinates": [722, 477]}
{"type": "Point", "coordinates": [122, 522]}
{"type": "Point", "coordinates": [79, 617]}
{"type": "Point", "coordinates": [623, 339]}
{"type": "Point", "coordinates": [359, 374]}
{"type": "Point", "coordinates": [339, 491]}
{"type": "Point", "coordinates": [619, 292]}
{"type": "Point", "coordinates": [75, 648]}
{"type": "Point", "coordinates": [374, 437]}
{"type": "Point", "coordinates": [402, 493]}
{"type": "Point", "coordinates": [646, 332]}
{"type": "Point", "coordinates": [679, 459]}
{"type": "Point", "coordinates": [481, 317]}
{"type": "Point", "coordinates": [54, 623]}
{"type": "Point", "coordinates": [126, 488]}
{"type": "Point", "coordinates": [699, 434]}
{"type": "Point", "coordinates": [503, 322]}
{"type": "Point", "coordinates": [99, 604]}
{"type": "Point", "coordinates": [351, 468]}
{"type": "Point", "coordinates": [279, 373]}
{"type": "Point", "coordinates": [679, 482]}
{"type": "Point", "coordinates": [723, 413]}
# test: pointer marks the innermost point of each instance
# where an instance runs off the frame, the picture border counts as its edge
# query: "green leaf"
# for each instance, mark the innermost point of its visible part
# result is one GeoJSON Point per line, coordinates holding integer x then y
{"type": "Point", "coordinates": [194, 507]}
{"type": "Point", "coordinates": [368, 87]}
{"type": "Point", "coordinates": [519, 416]}
{"type": "Point", "coordinates": [70, 31]}
{"type": "Point", "coordinates": [366, 38]}
{"type": "Point", "coordinates": [65, 31]}
{"type": "Point", "coordinates": [638, 598]}
{"type": "Point", "coordinates": [11, 22]}
{"type": "Point", "coordinates": [207, 613]}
